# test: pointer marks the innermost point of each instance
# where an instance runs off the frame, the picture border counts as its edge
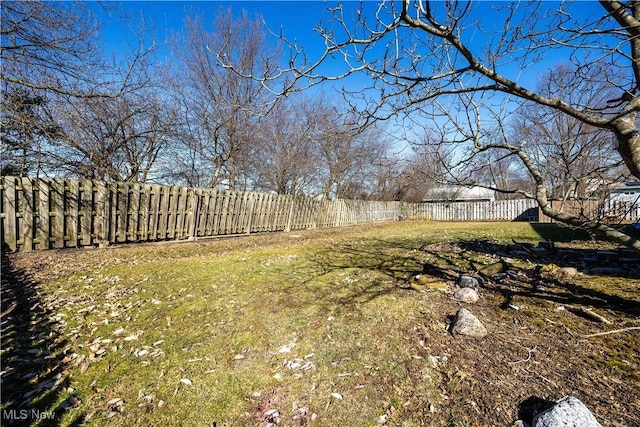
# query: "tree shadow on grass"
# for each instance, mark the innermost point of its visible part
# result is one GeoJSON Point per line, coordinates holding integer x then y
{"type": "Point", "coordinates": [399, 260]}
{"type": "Point", "coordinates": [34, 379]}
{"type": "Point", "coordinates": [585, 289]}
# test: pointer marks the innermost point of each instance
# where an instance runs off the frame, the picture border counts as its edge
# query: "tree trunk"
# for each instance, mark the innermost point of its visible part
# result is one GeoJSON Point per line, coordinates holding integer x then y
{"type": "Point", "coordinates": [626, 130]}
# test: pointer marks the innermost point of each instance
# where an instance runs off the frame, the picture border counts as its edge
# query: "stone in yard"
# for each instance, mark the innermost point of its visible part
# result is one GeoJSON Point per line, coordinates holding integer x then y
{"type": "Point", "coordinates": [465, 323]}
{"type": "Point", "coordinates": [467, 295]}
{"type": "Point", "coordinates": [567, 272]}
{"type": "Point", "coordinates": [495, 268]}
{"type": "Point", "coordinates": [569, 412]}
{"type": "Point", "coordinates": [468, 282]}
{"type": "Point", "coordinates": [423, 281]}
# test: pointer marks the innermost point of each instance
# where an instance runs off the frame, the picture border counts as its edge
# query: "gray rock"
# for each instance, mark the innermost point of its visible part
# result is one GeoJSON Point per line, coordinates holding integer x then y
{"type": "Point", "coordinates": [467, 295]}
{"type": "Point", "coordinates": [468, 282]}
{"type": "Point", "coordinates": [465, 323]}
{"type": "Point", "coordinates": [569, 412]}
{"type": "Point", "coordinates": [567, 272]}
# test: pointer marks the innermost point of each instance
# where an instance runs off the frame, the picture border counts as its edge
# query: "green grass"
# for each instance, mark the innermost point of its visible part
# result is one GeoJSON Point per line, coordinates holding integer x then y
{"type": "Point", "coordinates": [194, 334]}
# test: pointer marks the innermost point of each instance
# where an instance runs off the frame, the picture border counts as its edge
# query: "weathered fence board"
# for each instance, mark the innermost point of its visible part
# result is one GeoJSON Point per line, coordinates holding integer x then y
{"type": "Point", "coordinates": [54, 213]}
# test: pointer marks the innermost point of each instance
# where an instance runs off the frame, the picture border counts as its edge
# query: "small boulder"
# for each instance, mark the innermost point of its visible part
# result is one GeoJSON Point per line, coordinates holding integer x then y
{"type": "Point", "coordinates": [467, 295]}
{"type": "Point", "coordinates": [567, 272]}
{"type": "Point", "coordinates": [465, 323]}
{"type": "Point", "coordinates": [495, 268]}
{"type": "Point", "coordinates": [569, 412]}
{"type": "Point", "coordinates": [468, 282]}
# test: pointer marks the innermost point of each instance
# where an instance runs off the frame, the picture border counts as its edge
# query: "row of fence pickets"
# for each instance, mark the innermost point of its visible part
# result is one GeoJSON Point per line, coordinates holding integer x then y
{"type": "Point", "coordinates": [61, 213]}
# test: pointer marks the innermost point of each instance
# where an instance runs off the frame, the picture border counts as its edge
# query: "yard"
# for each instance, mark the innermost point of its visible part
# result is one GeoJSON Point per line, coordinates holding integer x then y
{"type": "Point", "coordinates": [319, 327]}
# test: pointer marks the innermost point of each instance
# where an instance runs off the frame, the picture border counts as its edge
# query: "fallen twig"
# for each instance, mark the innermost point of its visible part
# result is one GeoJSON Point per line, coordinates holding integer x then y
{"type": "Point", "coordinates": [8, 310]}
{"type": "Point", "coordinates": [585, 312]}
{"type": "Point", "coordinates": [615, 331]}
{"type": "Point", "coordinates": [531, 350]}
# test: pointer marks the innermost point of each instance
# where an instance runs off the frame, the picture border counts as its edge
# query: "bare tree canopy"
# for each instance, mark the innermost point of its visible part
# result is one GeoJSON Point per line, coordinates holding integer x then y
{"type": "Point", "coordinates": [220, 108]}
{"type": "Point", "coordinates": [58, 91]}
{"type": "Point", "coordinates": [467, 65]}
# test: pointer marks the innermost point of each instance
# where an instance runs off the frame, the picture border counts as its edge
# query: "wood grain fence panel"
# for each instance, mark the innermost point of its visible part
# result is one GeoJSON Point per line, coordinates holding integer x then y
{"type": "Point", "coordinates": [283, 213]}
{"type": "Point", "coordinates": [85, 212]}
{"type": "Point", "coordinates": [99, 212]}
{"type": "Point", "coordinates": [203, 214]}
{"type": "Point", "coordinates": [163, 225]}
{"type": "Point", "coordinates": [200, 212]}
{"type": "Point", "coordinates": [172, 211]}
{"type": "Point", "coordinates": [215, 211]}
{"type": "Point", "coordinates": [44, 218]}
{"type": "Point", "coordinates": [154, 214]}
{"type": "Point", "coordinates": [43, 227]}
{"type": "Point", "coordinates": [207, 204]}
{"type": "Point", "coordinates": [27, 214]}
{"type": "Point", "coordinates": [72, 201]}
{"type": "Point", "coordinates": [8, 212]}
{"type": "Point", "coordinates": [123, 212]}
{"type": "Point", "coordinates": [244, 212]}
{"type": "Point", "coordinates": [233, 212]}
{"type": "Point", "coordinates": [251, 205]}
{"type": "Point", "coordinates": [258, 213]}
{"type": "Point", "coordinates": [214, 221]}
{"type": "Point", "coordinates": [240, 212]}
{"type": "Point", "coordinates": [241, 203]}
{"type": "Point", "coordinates": [265, 211]}
{"type": "Point", "coordinates": [224, 212]}
{"type": "Point", "coordinates": [57, 206]}
{"type": "Point", "coordinates": [180, 208]}
{"type": "Point", "coordinates": [276, 213]}
{"type": "Point", "coordinates": [144, 197]}
{"type": "Point", "coordinates": [192, 211]}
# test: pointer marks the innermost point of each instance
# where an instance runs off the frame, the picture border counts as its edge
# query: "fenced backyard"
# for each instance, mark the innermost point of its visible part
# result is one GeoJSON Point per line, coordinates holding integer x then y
{"type": "Point", "coordinates": [42, 214]}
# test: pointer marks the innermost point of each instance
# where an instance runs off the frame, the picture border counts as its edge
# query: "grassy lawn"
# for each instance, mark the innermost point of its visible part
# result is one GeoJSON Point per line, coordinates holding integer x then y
{"type": "Point", "coordinates": [317, 327]}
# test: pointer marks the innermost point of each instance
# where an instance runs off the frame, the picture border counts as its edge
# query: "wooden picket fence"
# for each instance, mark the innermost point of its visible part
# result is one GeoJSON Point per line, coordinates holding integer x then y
{"type": "Point", "coordinates": [502, 210]}
{"type": "Point", "coordinates": [60, 213]}
{"type": "Point", "coordinates": [41, 214]}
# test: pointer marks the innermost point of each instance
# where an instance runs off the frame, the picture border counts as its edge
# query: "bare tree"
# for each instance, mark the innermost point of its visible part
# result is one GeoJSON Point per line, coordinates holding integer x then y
{"type": "Point", "coordinates": [117, 139]}
{"type": "Point", "coordinates": [283, 153]}
{"type": "Point", "coordinates": [348, 153]}
{"type": "Point", "coordinates": [573, 156]}
{"type": "Point", "coordinates": [221, 108]}
{"type": "Point", "coordinates": [463, 63]}
{"type": "Point", "coordinates": [50, 69]}
{"type": "Point", "coordinates": [26, 124]}
{"type": "Point", "coordinates": [43, 48]}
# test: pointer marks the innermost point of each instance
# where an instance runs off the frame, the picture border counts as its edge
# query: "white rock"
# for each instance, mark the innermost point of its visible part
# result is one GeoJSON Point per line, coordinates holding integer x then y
{"type": "Point", "coordinates": [467, 295]}
{"type": "Point", "coordinates": [569, 412]}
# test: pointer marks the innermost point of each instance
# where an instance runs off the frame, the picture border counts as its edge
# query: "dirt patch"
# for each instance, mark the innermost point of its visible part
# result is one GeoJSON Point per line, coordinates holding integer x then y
{"type": "Point", "coordinates": [536, 351]}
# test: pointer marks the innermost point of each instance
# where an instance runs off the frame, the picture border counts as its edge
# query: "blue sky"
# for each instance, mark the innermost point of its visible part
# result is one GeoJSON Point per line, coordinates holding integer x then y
{"type": "Point", "coordinates": [297, 20]}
